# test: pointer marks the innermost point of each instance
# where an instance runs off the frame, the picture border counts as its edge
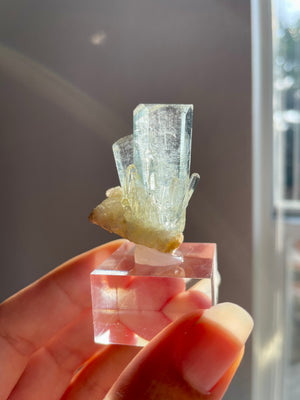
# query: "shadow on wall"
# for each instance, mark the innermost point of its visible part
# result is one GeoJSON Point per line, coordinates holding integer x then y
{"type": "Point", "coordinates": [45, 83]}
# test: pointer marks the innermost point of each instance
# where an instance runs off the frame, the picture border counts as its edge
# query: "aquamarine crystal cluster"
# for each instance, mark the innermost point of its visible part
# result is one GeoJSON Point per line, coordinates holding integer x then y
{"type": "Point", "coordinates": [154, 170]}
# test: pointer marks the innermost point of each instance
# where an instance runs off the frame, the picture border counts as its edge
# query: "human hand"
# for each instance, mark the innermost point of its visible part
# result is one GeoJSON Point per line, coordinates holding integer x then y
{"type": "Point", "coordinates": [47, 350]}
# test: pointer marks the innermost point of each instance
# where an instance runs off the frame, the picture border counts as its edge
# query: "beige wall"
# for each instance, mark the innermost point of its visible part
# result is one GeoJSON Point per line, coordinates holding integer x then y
{"type": "Point", "coordinates": [71, 73]}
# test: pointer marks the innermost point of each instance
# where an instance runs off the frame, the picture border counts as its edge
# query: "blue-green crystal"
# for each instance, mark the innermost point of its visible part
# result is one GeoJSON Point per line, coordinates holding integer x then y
{"type": "Point", "coordinates": [154, 166]}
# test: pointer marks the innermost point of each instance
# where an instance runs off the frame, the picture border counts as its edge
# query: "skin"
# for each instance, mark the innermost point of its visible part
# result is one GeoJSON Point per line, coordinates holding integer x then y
{"type": "Point", "coordinates": [47, 348]}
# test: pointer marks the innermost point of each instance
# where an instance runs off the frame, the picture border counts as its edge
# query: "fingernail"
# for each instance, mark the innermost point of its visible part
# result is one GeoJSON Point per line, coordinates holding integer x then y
{"type": "Point", "coordinates": [213, 343]}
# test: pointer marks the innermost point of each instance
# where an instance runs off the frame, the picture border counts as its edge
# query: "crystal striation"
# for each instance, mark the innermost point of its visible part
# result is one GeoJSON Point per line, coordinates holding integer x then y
{"type": "Point", "coordinates": [154, 171]}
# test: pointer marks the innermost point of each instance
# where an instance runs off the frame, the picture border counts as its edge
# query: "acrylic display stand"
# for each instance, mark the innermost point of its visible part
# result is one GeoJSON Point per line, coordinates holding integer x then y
{"type": "Point", "coordinates": [133, 301]}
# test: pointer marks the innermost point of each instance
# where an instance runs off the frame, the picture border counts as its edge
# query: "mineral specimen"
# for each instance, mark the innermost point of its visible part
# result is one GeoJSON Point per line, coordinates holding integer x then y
{"type": "Point", "coordinates": [154, 171]}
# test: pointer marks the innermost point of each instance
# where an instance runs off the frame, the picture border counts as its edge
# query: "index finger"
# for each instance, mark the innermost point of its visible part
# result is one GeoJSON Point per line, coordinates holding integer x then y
{"type": "Point", "coordinates": [32, 316]}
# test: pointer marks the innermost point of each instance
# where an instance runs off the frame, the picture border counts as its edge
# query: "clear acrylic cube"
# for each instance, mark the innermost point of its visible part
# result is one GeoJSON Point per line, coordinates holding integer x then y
{"type": "Point", "coordinates": [137, 292]}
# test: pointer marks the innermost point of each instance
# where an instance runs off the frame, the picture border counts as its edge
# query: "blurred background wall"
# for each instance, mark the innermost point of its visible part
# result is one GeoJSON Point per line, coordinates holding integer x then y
{"type": "Point", "coordinates": [71, 73]}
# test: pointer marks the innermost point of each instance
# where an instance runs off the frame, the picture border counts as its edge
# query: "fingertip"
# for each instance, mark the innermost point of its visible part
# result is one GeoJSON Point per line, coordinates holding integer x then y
{"type": "Point", "coordinates": [93, 257]}
{"type": "Point", "coordinates": [231, 318]}
{"type": "Point", "coordinates": [109, 247]}
{"type": "Point", "coordinates": [213, 343]}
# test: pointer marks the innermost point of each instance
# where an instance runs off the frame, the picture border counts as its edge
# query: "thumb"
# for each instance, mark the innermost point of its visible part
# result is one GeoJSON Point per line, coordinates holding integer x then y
{"type": "Point", "coordinates": [194, 358]}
